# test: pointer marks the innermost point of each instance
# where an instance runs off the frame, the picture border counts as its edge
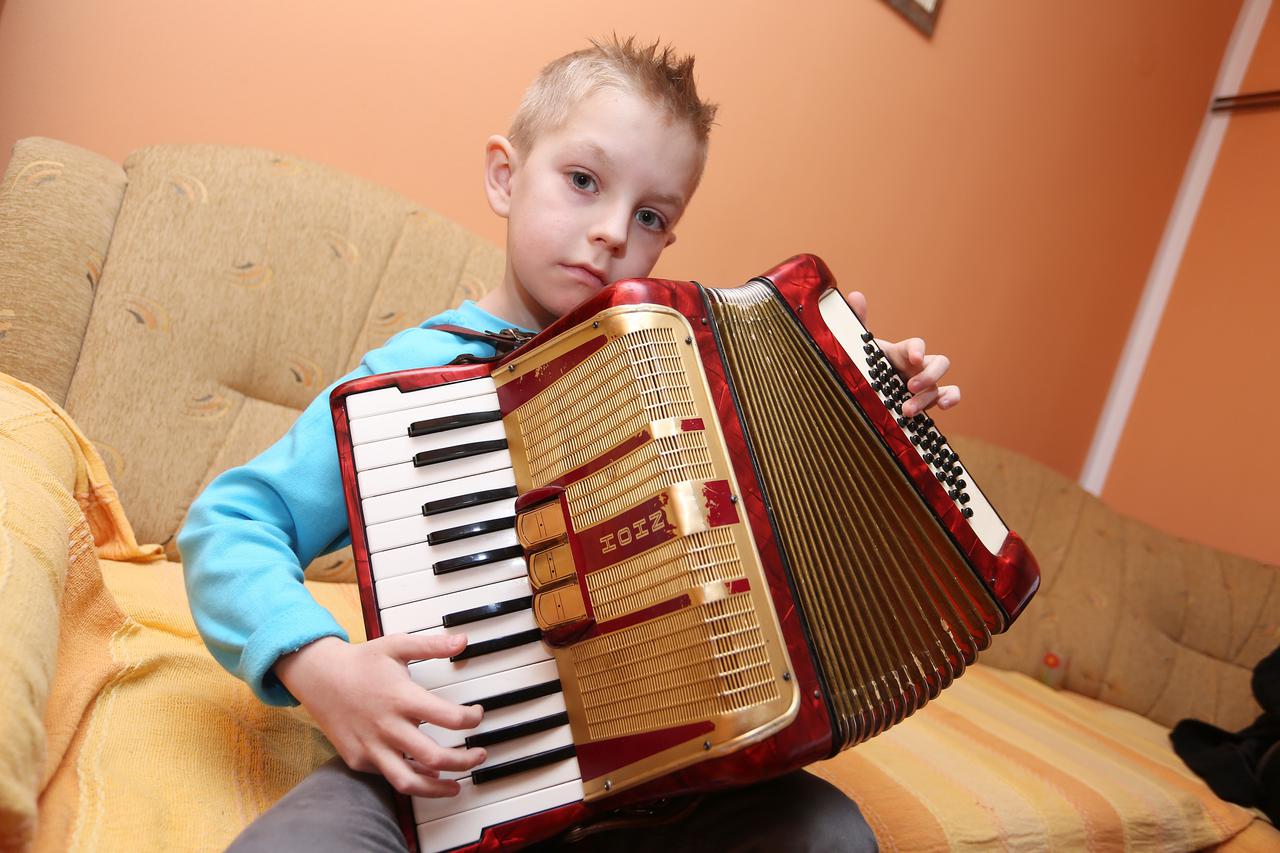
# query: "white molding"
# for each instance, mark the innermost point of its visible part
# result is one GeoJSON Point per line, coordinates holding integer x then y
{"type": "Point", "coordinates": [1164, 269]}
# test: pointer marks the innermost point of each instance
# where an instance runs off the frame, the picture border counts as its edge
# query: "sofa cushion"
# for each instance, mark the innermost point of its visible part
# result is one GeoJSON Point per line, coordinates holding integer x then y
{"type": "Point", "coordinates": [58, 206]}
{"type": "Point", "coordinates": [1001, 761]}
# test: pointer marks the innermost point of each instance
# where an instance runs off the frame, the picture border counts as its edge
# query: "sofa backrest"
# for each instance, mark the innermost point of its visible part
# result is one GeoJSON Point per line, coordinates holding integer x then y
{"type": "Point", "coordinates": [235, 285]}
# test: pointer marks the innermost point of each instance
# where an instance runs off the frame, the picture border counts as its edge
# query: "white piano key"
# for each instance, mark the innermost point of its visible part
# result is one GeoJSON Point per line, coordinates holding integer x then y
{"type": "Point", "coordinates": [499, 718]}
{"type": "Point", "coordinates": [401, 589]}
{"type": "Point", "coordinates": [393, 451]}
{"type": "Point", "coordinates": [392, 399]}
{"type": "Point", "coordinates": [489, 629]}
{"type": "Point", "coordinates": [438, 672]}
{"type": "Point", "coordinates": [848, 331]}
{"type": "Point", "coordinates": [421, 556]}
{"type": "Point", "coordinates": [473, 690]}
{"type": "Point", "coordinates": [473, 796]}
{"type": "Point", "coordinates": [407, 531]}
{"type": "Point", "coordinates": [409, 502]}
{"type": "Point", "coordinates": [397, 478]}
{"type": "Point", "coordinates": [428, 613]}
{"type": "Point", "coordinates": [465, 827]}
{"type": "Point", "coordinates": [396, 424]}
{"type": "Point", "coordinates": [523, 747]}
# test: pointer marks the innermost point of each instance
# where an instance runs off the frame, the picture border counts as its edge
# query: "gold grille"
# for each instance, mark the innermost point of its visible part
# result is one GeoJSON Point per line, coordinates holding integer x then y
{"type": "Point", "coordinates": [663, 573]}
{"type": "Point", "coordinates": [893, 610]}
{"type": "Point", "coordinates": [721, 658]}
{"type": "Point", "coordinates": [642, 474]}
{"type": "Point", "coordinates": [636, 378]}
{"type": "Point", "coordinates": [691, 665]}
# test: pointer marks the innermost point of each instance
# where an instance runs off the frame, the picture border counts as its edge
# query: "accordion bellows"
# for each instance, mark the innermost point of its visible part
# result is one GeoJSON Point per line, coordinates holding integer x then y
{"type": "Point", "coordinates": [738, 555]}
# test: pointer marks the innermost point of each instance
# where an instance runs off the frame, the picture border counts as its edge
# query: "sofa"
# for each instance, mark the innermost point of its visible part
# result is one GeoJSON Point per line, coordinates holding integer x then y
{"type": "Point", "coordinates": [167, 318]}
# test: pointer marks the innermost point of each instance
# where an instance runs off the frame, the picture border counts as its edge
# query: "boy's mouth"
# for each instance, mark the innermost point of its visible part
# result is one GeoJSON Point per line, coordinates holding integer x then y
{"type": "Point", "coordinates": [586, 275]}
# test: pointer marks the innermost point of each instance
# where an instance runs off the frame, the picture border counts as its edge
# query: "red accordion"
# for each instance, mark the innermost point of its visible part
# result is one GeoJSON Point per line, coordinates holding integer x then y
{"type": "Point", "coordinates": [691, 537]}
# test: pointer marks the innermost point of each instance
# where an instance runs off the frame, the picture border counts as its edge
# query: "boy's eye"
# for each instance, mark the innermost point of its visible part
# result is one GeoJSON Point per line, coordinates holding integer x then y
{"type": "Point", "coordinates": [651, 219]}
{"type": "Point", "coordinates": [582, 181]}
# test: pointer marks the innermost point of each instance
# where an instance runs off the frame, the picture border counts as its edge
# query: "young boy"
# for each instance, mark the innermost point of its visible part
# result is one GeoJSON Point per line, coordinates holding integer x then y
{"type": "Point", "coordinates": [605, 152]}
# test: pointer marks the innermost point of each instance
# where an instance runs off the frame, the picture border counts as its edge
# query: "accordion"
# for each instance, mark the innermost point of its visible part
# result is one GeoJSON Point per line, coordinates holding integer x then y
{"type": "Point", "coordinates": [691, 537]}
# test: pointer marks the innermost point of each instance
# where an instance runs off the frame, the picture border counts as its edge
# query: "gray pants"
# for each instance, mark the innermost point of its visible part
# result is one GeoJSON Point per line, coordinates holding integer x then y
{"type": "Point", "coordinates": [337, 809]}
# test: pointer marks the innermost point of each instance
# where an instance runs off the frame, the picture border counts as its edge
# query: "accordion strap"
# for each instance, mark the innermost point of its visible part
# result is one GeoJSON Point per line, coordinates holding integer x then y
{"type": "Point", "coordinates": [505, 341]}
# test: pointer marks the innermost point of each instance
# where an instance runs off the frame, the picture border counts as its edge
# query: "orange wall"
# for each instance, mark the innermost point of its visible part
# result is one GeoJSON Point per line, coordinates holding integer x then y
{"type": "Point", "coordinates": [1000, 190]}
{"type": "Point", "coordinates": [1197, 456]}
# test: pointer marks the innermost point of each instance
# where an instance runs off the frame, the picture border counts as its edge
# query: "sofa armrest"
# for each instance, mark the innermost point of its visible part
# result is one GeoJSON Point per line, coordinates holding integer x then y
{"type": "Point", "coordinates": [57, 514]}
{"type": "Point", "coordinates": [40, 526]}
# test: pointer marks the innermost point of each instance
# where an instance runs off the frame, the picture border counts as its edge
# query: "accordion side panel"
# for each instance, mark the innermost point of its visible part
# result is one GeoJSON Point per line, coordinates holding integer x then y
{"type": "Point", "coordinates": [893, 608]}
{"type": "Point", "coordinates": [684, 659]}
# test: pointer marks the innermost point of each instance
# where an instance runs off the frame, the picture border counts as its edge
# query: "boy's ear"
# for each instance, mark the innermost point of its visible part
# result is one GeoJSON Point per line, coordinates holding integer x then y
{"type": "Point", "coordinates": [500, 163]}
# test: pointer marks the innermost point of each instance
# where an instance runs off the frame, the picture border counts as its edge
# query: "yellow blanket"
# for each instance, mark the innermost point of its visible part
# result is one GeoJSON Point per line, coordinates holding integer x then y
{"type": "Point", "coordinates": [141, 742]}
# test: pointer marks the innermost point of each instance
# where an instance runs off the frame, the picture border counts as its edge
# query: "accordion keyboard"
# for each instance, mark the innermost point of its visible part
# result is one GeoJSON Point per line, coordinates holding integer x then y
{"type": "Point", "coordinates": [438, 498]}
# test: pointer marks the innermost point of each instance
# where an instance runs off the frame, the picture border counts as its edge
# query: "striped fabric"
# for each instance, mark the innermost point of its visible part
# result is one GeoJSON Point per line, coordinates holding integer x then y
{"type": "Point", "coordinates": [1003, 762]}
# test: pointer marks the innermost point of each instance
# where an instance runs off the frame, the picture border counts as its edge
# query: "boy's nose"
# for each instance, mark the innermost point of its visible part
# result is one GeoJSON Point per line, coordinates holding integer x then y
{"type": "Point", "coordinates": [611, 230]}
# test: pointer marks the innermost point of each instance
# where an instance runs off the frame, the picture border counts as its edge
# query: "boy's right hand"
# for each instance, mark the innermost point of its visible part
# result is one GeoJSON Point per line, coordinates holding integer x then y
{"type": "Point", "coordinates": [363, 699]}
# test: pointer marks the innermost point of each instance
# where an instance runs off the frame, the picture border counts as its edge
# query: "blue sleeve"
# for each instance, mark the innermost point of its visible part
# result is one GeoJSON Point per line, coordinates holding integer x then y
{"type": "Point", "coordinates": [252, 531]}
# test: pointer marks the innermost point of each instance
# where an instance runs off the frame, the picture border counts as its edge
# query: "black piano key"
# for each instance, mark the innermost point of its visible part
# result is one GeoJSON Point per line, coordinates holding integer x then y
{"type": "Point", "coordinates": [470, 561]}
{"type": "Point", "coordinates": [488, 611]}
{"type": "Point", "coordinates": [458, 451]}
{"type": "Point", "coordinates": [466, 419]}
{"type": "Point", "coordinates": [528, 727]}
{"type": "Point", "coordinates": [498, 644]}
{"type": "Point", "coordinates": [464, 501]}
{"type": "Point", "coordinates": [509, 768]}
{"type": "Point", "coordinates": [515, 697]}
{"type": "Point", "coordinates": [466, 531]}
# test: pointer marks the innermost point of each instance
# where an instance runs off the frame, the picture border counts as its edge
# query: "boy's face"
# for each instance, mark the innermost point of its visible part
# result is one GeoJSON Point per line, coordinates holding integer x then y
{"type": "Point", "coordinates": [595, 200]}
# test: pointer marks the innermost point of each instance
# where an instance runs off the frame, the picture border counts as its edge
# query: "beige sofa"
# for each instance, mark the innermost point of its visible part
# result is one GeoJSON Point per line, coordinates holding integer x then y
{"type": "Point", "coordinates": [177, 313]}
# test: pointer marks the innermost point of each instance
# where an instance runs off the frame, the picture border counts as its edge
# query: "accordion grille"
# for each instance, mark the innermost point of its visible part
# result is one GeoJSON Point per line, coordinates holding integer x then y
{"type": "Point", "coordinates": [663, 572]}
{"type": "Point", "coordinates": [892, 608]}
{"type": "Point", "coordinates": [635, 379]}
{"type": "Point", "coordinates": [694, 664]}
{"type": "Point", "coordinates": [667, 460]}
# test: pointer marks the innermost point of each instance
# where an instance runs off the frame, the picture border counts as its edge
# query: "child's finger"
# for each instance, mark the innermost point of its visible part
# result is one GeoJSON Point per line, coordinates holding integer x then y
{"type": "Point", "coordinates": [411, 647]}
{"type": "Point", "coordinates": [429, 708]}
{"type": "Point", "coordinates": [405, 779]}
{"type": "Point", "coordinates": [919, 403]}
{"type": "Point", "coordinates": [914, 348]}
{"type": "Point", "coordinates": [422, 769]}
{"type": "Point", "coordinates": [933, 369]}
{"type": "Point", "coordinates": [902, 353]}
{"type": "Point", "coordinates": [858, 302]}
{"type": "Point", "coordinates": [948, 396]}
{"type": "Point", "coordinates": [410, 740]}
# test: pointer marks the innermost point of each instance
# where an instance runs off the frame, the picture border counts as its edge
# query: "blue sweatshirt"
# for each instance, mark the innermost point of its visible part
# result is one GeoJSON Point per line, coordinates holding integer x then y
{"type": "Point", "coordinates": [251, 533]}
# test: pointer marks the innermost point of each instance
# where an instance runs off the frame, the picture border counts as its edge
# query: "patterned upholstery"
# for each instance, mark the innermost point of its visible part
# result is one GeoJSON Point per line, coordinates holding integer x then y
{"type": "Point", "coordinates": [238, 284]}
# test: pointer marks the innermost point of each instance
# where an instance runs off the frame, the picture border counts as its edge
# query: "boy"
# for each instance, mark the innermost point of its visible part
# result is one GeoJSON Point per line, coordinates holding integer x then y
{"type": "Point", "coordinates": [604, 154]}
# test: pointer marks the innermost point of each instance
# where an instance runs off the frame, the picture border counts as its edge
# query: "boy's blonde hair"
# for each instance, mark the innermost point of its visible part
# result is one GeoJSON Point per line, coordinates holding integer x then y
{"type": "Point", "coordinates": [652, 71]}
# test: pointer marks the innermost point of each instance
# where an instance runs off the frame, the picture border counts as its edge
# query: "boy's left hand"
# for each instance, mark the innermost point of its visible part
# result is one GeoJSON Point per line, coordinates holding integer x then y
{"type": "Point", "coordinates": [921, 370]}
